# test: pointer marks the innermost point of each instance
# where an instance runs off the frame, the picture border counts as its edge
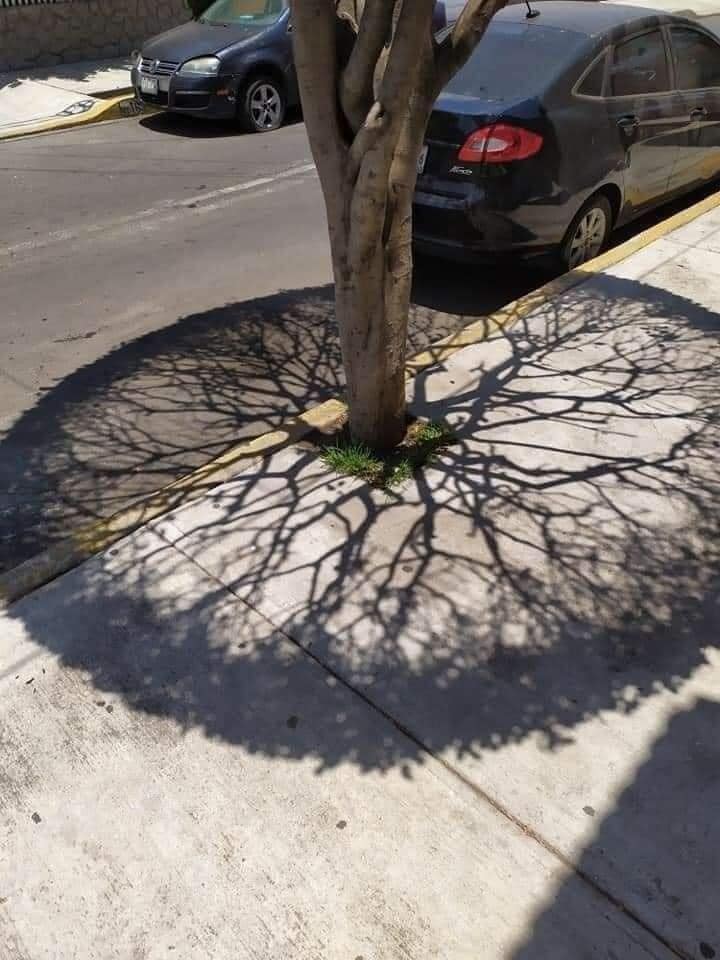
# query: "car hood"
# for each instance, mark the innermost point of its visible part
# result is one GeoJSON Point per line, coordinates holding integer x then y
{"type": "Point", "coordinates": [195, 39]}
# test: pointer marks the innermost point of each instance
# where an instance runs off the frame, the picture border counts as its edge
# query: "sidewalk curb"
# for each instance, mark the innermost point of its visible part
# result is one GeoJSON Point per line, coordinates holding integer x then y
{"type": "Point", "coordinates": [85, 543]}
{"type": "Point", "coordinates": [112, 108]}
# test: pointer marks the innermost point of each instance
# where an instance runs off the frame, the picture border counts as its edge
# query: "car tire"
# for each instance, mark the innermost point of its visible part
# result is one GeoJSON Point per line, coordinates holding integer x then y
{"type": "Point", "coordinates": [262, 105]}
{"type": "Point", "coordinates": [588, 234]}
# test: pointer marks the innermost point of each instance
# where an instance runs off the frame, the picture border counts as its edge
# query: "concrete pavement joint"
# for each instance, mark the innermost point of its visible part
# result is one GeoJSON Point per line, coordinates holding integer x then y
{"type": "Point", "coordinates": [80, 546]}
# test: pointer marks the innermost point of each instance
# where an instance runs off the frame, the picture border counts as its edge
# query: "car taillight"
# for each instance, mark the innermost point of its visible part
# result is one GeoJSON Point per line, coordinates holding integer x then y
{"type": "Point", "coordinates": [500, 143]}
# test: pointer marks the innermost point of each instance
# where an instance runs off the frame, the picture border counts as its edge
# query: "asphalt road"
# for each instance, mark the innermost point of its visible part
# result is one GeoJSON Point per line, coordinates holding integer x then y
{"type": "Point", "coordinates": [164, 292]}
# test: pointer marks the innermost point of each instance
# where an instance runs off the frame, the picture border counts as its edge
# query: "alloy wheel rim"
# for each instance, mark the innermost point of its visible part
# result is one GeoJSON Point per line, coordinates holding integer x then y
{"type": "Point", "coordinates": [265, 106]}
{"type": "Point", "coordinates": [588, 238]}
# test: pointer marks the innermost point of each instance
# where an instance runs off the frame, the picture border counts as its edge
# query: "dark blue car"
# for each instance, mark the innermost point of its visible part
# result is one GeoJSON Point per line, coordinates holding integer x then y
{"type": "Point", "coordinates": [567, 121]}
{"type": "Point", "coordinates": [235, 61]}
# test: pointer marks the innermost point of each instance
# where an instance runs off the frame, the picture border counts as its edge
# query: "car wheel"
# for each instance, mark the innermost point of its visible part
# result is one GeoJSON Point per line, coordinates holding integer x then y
{"type": "Point", "coordinates": [262, 107]}
{"type": "Point", "coordinates": [588, 233]}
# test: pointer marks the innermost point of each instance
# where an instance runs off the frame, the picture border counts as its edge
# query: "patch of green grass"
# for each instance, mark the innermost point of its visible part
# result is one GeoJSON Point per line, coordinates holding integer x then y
{"type": "Point", "coordinates": [389, 471]}
{"type": "Point", "coordinates": [398, 474]}
{"type": "Point", "coordinates": [354, 460]}
{"type": "Point", "coordinates": [425, 434]}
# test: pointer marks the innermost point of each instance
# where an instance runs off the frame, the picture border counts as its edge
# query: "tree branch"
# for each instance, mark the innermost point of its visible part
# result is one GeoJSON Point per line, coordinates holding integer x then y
{"type": "Point", "coordinates": [315, 50]}
{"type": "Point", "coordinates": [370, 197]}
{"type": "Point", "coordinates": [365, 139]}
{"type": "Point", "coordinates": [356, 85]}
{"type": "Point", "coordinates": [403, 64]}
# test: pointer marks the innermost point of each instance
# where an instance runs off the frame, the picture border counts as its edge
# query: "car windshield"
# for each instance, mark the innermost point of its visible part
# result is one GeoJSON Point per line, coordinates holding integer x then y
{"type": "Point", "coordinates": [255, 13]}
{"type": "Point", "coordinates": [512, 59]}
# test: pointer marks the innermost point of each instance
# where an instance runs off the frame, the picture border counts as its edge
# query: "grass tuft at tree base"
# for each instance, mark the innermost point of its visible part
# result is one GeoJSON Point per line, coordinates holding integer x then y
{"type": "Point", "coordinates": [422, 443]}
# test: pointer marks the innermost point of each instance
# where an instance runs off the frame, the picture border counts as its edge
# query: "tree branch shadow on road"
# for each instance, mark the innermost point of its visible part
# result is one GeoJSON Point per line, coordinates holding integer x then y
{"type": "Point", "coordinates": [158, 407]}
{"type": "Point", "coordinates": [537, 575]}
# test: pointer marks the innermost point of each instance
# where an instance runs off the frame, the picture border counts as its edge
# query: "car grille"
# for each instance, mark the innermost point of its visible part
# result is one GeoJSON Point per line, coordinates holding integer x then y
{"type": "Point", "coordinates": [160, 98]}
{"type": "Point", "coordinates": [158, 68]}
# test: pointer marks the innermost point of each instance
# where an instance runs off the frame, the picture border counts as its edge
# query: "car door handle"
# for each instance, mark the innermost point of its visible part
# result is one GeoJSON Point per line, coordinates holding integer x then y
{"type": "Point", "coordinates": [629, 124]}
{"type": "Point", "coordinates": [699, 113]}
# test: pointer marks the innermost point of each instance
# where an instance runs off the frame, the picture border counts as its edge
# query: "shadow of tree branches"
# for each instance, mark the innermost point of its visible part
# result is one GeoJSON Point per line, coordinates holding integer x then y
{"type": "Point", "coordinates": [561, 560]}
{"type": "Point", "coordinates": [158, 407]}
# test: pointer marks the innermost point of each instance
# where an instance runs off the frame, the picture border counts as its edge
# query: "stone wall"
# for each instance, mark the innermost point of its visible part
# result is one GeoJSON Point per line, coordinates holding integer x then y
{"type": "Point", "coordinates": [48, 34]}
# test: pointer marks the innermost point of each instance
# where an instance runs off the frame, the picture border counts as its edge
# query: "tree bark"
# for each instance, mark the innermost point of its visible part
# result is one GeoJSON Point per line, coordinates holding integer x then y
{"type": "Point", "coordinates": [366, 111]}
{"type": "Point", "coordinates": [372, 306]}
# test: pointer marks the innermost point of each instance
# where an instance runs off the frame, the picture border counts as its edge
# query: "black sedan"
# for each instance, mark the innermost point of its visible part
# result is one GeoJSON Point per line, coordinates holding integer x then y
{"type": "Point", "coordinates": [235, 61]}
{"type": "Point", "coordinates": [564, 124]}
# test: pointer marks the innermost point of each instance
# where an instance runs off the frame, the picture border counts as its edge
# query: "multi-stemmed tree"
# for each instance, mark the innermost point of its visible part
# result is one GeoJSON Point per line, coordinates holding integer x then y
{"type": "Point", "coordinates": [369, 73]}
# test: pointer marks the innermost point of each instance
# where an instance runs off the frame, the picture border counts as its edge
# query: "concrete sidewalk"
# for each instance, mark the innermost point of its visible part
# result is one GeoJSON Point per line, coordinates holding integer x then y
{"type": "Point", "coordinates": [301, 718]}
{"type": "Point", "coordinates": [47, 99]}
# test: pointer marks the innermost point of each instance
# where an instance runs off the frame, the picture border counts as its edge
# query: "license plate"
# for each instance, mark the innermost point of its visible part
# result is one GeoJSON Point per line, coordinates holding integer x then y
{"type": "Point", "coordinates": [149, 85]}
{"type": "Point", "coordinates": [422, 160]}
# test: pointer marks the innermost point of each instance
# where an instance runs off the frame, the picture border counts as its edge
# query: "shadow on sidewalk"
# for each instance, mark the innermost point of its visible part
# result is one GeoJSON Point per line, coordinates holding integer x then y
{"type": "Point", "coordinates": [666, 818]}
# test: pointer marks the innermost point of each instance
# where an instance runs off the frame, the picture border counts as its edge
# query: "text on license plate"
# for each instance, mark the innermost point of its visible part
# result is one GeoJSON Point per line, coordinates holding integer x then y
{"type": "Point", "coordinates": [422, 159]}
{"type": "Point", "coordinates": [148, 85]}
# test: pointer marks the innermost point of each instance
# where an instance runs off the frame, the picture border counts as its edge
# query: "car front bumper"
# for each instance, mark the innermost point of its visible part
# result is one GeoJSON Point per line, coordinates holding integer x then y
{"type": "Point", "coordinates": [212, 97]}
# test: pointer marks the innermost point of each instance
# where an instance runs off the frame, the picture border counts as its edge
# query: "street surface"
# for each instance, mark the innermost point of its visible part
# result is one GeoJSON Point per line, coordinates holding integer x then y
{"type": "Point", "coordinates": [166, 292]}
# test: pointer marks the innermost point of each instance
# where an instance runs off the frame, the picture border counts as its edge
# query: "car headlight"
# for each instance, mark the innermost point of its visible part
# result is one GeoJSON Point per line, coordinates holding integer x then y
{"type": "Point", "coordinates": [205, 66]}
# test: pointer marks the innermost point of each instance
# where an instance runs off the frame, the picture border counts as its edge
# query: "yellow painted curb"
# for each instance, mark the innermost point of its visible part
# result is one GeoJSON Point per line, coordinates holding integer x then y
{"type": "Point", "coordinates": [326, 417]}
{"type": "Point", "coordinates": [108, 109]}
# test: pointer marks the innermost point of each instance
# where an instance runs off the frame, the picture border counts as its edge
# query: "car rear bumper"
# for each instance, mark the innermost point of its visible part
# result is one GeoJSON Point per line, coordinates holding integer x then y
{"type": "Point", "coordinates": [473, 226]}
{"type": "Point", "coordinates": [212, 97]}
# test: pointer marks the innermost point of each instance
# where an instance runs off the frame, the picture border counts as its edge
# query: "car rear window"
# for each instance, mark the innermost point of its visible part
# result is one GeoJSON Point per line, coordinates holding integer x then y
{"type": "Point", "coordinates": [514, 59]}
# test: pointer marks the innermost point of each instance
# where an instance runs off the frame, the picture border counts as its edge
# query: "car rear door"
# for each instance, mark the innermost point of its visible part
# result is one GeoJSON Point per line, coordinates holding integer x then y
{"type": "Point", "coordinates": [696, 63]}
{"type": "Point", "coordinates": [647, 115]}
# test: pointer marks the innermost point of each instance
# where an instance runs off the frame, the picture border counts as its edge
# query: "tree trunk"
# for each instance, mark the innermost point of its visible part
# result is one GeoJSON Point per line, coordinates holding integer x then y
{"type": "Point", "coordinates": [367, 95]}
{"type": "Point", "coordinates": [372, 304]}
